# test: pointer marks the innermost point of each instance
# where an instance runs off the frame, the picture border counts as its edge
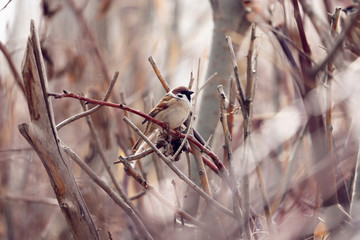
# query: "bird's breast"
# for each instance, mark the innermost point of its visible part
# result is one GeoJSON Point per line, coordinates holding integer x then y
{"type": "Point", "coordinates": [175, 115]}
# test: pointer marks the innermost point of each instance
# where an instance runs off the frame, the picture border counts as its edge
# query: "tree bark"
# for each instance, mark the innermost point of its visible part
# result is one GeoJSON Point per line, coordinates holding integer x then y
{"type": "Point", "coordinates": [42, 136]}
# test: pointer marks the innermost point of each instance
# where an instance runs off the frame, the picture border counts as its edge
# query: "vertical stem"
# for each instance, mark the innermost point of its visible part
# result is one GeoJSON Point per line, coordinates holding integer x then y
{"type": "Point", "coordinates": [328, 116]}
{"type": "Point", "coordinates": [228, 150]}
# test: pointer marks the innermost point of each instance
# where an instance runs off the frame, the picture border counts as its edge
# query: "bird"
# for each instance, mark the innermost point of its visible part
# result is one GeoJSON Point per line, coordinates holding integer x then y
{"type": "Point", "coordinates": [173, 109]}
{"type": "Point", "coordinates": [353, 36]}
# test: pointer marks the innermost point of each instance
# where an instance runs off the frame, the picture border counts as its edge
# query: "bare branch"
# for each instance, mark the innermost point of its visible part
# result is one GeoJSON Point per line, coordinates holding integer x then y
{"type": "Point", "coordinates": [17, 76]}
{"type": "Point", "coordinates": [159, 75]}
{"type": "Point", "coordinates": [120, 202]}
{"type": "Point", "coordinates": [172, 132]}
{"type": "Point", "coordinates": [178, 172]}
{"type": "Point", "coordinates": [132, 172]}
{"type": "Point", "coordinates": [41, 134]}
{"type": "Point", "coordinates": [92, 110]}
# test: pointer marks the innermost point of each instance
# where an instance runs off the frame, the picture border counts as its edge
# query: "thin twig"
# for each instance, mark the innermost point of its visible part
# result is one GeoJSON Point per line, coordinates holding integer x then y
{"type": "Point", "coordinates": [178, 172]}
{"type": "Point", "coordinates": [30, 199]}
{"type": "Point", "coordinates": [317, 22]}
{"type": "Point", "coordinates": [192, 116]}
{"type": "Point", "coordinates": [94, 109]}
{"type": "Point", "coordinates": [207, 81]}
{"type": "Point", "coordinates": [137, 156]}
{"type": "Point", "coordinates": [283, 190]}
{"type": "Point", "coordinates": [172, 132]}
{"type": "Point", "coordinates": [100, 149]}
{"type": "Point", "coordinates": [331, 54]}
{"type": "Point", "coordinates": [17, 76]}
{"type": "Point", "coordinates": [191, 82]}
{"type": "Point", "coordinates": [231, 107]}
{"type": "Point", "coordinates": [237, 77]}
{"type": "Point", "coordinates": [130, 133]}
{"type": "Point", "coordinates": [250, 93]}
{"type": "Point", "coordinates": [159, 75]}
{"type": "Point", "coordinates": [137, 195]}
{"type": "Point", "coordinates": [195, 151]}
{"type": "Point", "coordinates": [250, 69]}
{"type": "Point", "coordinates": [305, 45]}
{"type": "Point", "coordinates": [328, 101]}
{"type": "Point", "coordinates": [177, 200]}
{"type": "Point", "coordinates": [201, 170]}
{"type": "Point", "coordinates": [132, 172]}
{"type": "Point", "coordinates": [5, 5]}
{"type": "Point", "coordinates": [229, 156]}
{"type": "Point", "coordinates": [78, 12]}
{"type": "Point", "coordinates": [120, 202]}
{"type": "Point", "coordinates": [295, 71]}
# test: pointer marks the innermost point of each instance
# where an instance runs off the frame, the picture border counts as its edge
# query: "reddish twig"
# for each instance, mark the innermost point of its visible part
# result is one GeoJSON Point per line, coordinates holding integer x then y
{"type": "Point", "coordinates": [181, 175]}
{"type": "Point", "coordinates": [172, 132]}
{"type": "Point", "coordinates": [92, 110]}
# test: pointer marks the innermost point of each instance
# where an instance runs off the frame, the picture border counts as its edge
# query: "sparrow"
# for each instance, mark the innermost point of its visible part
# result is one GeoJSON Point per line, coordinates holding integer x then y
{"type": "Point", "coordinates": [352, 41]}
{"type": "Point", "coordinates": [173, 109]}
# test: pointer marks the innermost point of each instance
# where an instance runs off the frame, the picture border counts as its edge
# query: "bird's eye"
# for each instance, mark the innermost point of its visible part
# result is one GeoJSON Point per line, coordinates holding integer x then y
{"type": "Point", "coordinates": [179, 95]}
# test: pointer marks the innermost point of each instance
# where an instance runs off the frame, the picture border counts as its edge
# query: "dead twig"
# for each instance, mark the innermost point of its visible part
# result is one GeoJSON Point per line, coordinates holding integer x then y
{"type": "Point", "coordinates": [237, 77]}
{"type": "Point", "coordinates": [207, 151]}
{"type": "Point", "coordinates": [287, 178]}
{"type": "Point", "coordinates": [131, 134]}
{"type": "Point", "coordinates": [177, 201]}
{"type": "Point", "coordinates": [132, 172]}
{"type": "Point", "coordinates": [137, 156]}
{"type": "Point", "coordinates": [118, 200]}
{"type": "Point", "coordinates": [17, 76]}
{"type": "Point", "coordinates": [92, 110]}
{"type": "Point", "coordinates": [78, 12]}
{"type": "Point", "coordinates": [336, 46]}
{"type": "Point", "coordinates": [228, 149]}
{"type": "Point", "coordinates": [178, 172]}
{"type": "Point", "coordinates": [159, 75]}
{"type": "Point", "coordinates": [231, 107]}
{"type": "Point", "coordinates": [195, 151]}
{"type": "Point", "coordinates": [41, 134]}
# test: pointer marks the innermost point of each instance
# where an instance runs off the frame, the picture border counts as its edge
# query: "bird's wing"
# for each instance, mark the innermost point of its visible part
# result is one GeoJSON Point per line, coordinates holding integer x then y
{"type": "Point", "coordinates": [163, 104]}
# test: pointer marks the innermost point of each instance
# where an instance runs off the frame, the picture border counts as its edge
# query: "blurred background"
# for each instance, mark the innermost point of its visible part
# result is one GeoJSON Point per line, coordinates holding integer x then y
{"type": "Point", "coordinates": [85, 42]}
